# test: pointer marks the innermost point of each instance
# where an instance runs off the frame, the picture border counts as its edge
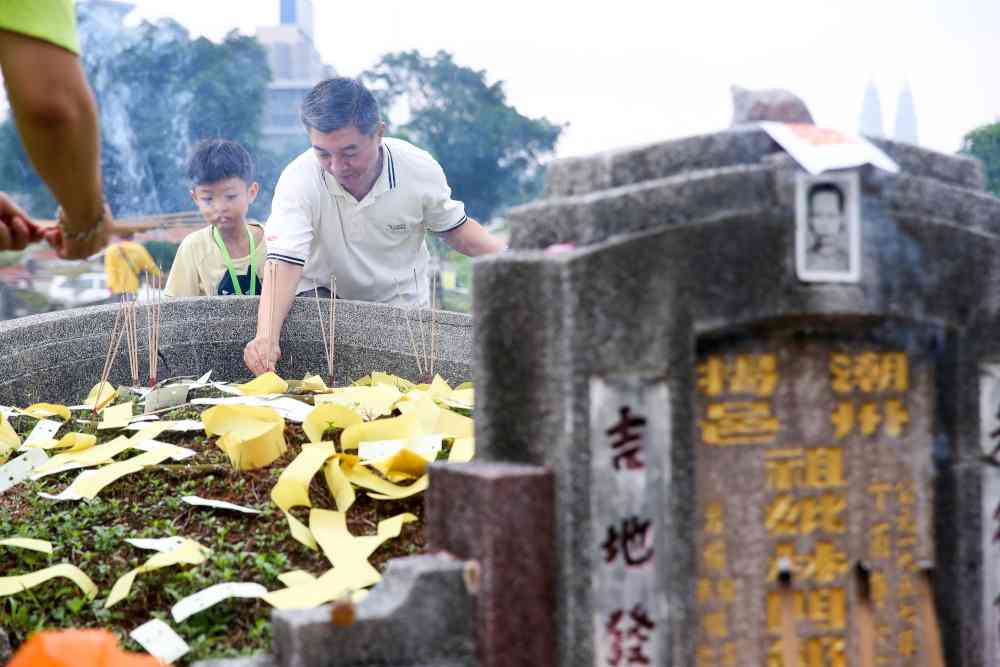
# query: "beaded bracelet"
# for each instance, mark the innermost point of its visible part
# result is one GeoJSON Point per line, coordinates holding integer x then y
{"type": "Point", "coordinates": [86, 235]}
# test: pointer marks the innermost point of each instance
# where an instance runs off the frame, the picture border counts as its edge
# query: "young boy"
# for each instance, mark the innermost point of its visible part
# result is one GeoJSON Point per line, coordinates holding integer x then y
{"type": "Point", "coordinates": [227, 257]}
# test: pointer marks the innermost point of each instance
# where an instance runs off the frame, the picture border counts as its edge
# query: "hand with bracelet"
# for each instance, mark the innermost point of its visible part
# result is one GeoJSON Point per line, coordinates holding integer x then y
{"type": "Point", "coordinates": [72, 241]}
{"type": "Point", "coordinates": [17, 230]}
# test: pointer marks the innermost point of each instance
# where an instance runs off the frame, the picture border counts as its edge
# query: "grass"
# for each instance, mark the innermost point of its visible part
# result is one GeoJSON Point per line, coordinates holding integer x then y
{"type": "Point", "coordinates": [245, 548]}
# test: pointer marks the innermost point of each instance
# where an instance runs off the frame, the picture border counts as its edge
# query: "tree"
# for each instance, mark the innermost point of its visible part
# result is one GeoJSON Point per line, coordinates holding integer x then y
{"type": "Point", "coordinates": [491, 154]}
{"type": "Point", "coordinates": [159, 93]}
{"type": "Point", "coordinates": [984, 143]}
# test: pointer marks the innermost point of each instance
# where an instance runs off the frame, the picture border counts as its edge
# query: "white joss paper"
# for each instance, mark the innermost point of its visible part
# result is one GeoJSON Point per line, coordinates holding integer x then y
{"type": "Point", "coordinates": [213, 595]}
{"type": "Point", "coordinates": [161, 544]}
{"type": "Point", "coordinates": [219, 504]}
{"type": "Point", "coordinates": [19, 469]}
{"type": "Point", "coordinates": [160, 640]}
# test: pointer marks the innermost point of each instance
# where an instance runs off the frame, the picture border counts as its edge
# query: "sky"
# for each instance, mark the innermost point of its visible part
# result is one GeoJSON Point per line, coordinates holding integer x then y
{"type": "Point", "coordinates": [633, 72]}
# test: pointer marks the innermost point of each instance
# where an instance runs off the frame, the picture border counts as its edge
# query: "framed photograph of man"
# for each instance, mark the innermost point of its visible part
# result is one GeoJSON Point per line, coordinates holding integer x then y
{"type": "Point", "coordinates": [828, 227]}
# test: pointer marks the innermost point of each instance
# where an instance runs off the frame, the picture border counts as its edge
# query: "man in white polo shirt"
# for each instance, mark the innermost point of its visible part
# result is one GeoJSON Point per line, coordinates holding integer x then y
{"type": "Point", "coordinates": [356, 205]}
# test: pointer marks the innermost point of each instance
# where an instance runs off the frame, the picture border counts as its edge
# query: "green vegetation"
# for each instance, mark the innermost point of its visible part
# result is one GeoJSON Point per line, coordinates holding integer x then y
{"type": "Point", "coordinates": [984, 143]}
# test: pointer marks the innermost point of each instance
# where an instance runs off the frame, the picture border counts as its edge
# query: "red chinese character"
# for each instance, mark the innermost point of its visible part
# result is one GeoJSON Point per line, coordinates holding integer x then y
{"type": "Point", "coordinates": [616, 637]}
{"type": "Point", "coordinates": [631, 542]}
{"type": "Point", "coordinates": [641, 624]}
{"type": "Point", "coordinates": [625, 435]}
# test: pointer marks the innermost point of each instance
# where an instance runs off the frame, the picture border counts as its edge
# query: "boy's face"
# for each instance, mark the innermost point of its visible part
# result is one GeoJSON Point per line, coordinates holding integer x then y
{"type": "Point", "coordinates": [224, 203]}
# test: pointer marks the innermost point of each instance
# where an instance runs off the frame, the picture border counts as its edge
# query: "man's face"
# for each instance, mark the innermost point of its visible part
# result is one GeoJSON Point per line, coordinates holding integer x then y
{"type": "Point", "coordinates": [349, 156]}
{"type": "Point", "coordinates": [224, 203]}
{"type": "Point", "coordinates": [826, 218]}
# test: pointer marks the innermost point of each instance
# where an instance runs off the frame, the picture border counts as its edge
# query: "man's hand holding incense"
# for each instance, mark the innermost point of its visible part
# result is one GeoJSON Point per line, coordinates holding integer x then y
{"type": "Point", "coordinates": [72, 242]}
{"type": "Point", "coordinates": [17, 230]}
{"type": "Point", "coordinates": [261, 354]}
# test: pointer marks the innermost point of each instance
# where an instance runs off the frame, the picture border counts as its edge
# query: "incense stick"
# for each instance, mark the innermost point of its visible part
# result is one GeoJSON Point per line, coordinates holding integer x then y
{"type": "Point", "coordinates": [128, 306]}
{"type": "Point", "coordinates": [322, 330]}
{"type": "Point", "coordinates": [153, 313]}
{"type": "Point", "coordinates": [113, 343]}
{"type": "Point", "coordinates": [430, 360]}
{"type": "Point", "coordinates": [409, 329]}
{"type": "Point", "coordinates": [420, 320]}
{"type": "Point", "coordinates": [333, 327]}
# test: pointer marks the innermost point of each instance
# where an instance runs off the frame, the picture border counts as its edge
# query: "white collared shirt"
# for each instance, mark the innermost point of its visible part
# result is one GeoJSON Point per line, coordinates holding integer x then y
{"type": "Point", "coordinates": [372, 246]}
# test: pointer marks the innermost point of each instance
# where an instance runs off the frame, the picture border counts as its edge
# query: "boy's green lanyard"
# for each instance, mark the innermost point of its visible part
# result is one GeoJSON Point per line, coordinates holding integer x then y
{"type": "Point", "coordinates": [229, 262]}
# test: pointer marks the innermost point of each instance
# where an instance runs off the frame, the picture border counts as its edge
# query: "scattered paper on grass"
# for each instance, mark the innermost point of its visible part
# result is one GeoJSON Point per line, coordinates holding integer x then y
{"type": "Point", "coordinates": [462, 450]}
{"type": "Point", "coordinates": [453, 425]}
{"type": "Point", "coordinates": [100, 395]}
{"type": "Point", "coordinates": [69, 443]}
{"type": "Point", "coordinates": [427, 446]}
{"type": "Point", "coordinates": [399, 383]}
{"type": "Point", "coordinates": [116, 416]}
{"type": "Point", "coordinates": [252, 437]}
{"type": "Point", "coordinates": [160, 641]}
{"type": "Point", "coordinates": [329, 415]}
{"type": "Point", "coordinates": [268, 383]}
{"type": "Point", "coordinates": [296, 578]}
{"type": "Point", "coordinates": [404, 464]}
{"type": "Point", "coordinates": [188, 553]}
{"type": "Point", "coordinates": [345, 550]}
{"type": "Point", "coordinates": [369, 402]}
{"type": "Point", "coordinates": [383, 489]}
{"type": "Point", "coordinates": [19, 469]}
{"type": "Point", "coordinates": [218, 504]}
{"type": "Point", "coordinates": [9, 439]}
{"type": "Point", "coordinates": [166, 397]}
{"type": "Point", "coordinates": [22, 582]}
{"type": "Point", "coordinates": [405, 427]}
{"type": "Point", "coordinates": [292, 487]}
{"type": "Point", "coordinates": [42, 410]}
{"type": "Point", "coordinates": [180, 425]}
{"type": "Point", "coordinates": [177, 453]}
{"type": "Point", "coordinates": [27, 543]}
{"type": "Point", "coordinates": [160, 544]}
{"type": "Point", "coordinates": [330, 586]}
{"type": "Point", "coordinates": [290, 408]}
{"type": "Point", "coordinates": [89, 457]}
{"type": "Point", "coordinates": [213, 595]}
{"type": "Point", "coordinates": [313, 383]}
{"type": "Point", "coordinates": [340, 487]}
{"type": "Point", "coordinates": [45, 429]}
{"type": "Point", "coordinates": [461, 398]}
{"type": "Point", "coordinates": [91, 482]}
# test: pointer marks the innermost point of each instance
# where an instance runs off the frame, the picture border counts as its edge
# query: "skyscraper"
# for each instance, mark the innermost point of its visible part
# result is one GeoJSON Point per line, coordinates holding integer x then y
{"type": "Point", "coordinates": [906, 116]}
{"type": "Point", "coordinates": [870, 124]}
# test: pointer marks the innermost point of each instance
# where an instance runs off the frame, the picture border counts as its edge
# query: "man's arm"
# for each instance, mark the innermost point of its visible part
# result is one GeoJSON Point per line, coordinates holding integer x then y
{"type": "Point", "coordinates": [471, 239]}
{"type": "Point", "coordinates": [262, 353]}
{"type": "Point", "coordinates": [56, 117]}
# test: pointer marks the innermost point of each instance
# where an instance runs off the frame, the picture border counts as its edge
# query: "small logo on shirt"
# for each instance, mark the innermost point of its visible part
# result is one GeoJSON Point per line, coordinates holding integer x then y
{"type": "Point", "coordinates": [397, 228]}
{"type": "Point", "coordinates": [272, 237]}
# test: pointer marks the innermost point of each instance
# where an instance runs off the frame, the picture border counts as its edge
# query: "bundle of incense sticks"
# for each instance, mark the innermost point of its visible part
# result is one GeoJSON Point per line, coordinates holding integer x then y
{"type": "Point", "coordinates": [113, 342]}
{"type": "Point", "coordinates": [328, 342]}
{"type": "Point", "coordinates": [423, 356]}
{"type": "Point", "coordinates": [128, 305]}
{"type": "Point", "coordinates": [153, 308]}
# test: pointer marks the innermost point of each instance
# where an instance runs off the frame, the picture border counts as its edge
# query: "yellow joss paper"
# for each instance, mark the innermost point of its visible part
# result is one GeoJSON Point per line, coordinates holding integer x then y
{"type": "Point", "coordinates": [404, 427]}
{"type": "Point", "coordinates": [453, 425]}
{"type": "Point", "coordinates": [462, 450]}
{"type": "Point", "coordinates": [313, 383]}
{"type": "Point", "coordinates": [383, 489]}
{"type": "Point", "coordinates": [343, 548]}
{"type": "Point", "coordinates": [268, 383]}
{"type": "Point", "coordinates": [329, 415]}
{"type": "Point", "coordinates": [188, 552]}
{"type": "Point", "coordinates": [340, 487]}
{"type": "Point", "coordinates": [89, 486]}
{"type": "Point", "coordinates": [296, 578]}
{"type": "Point", "coordinates": [69, 443]}
{"type": "Point", "coordinates": [332, 585]}
{"type": "Point", "coordinates": [100, 395]}
{"type": "Point", "coordinates": [369, 402]}
{"type": "Point", "coordinates": [9, 439]}
{"type": "Point", "coordinates": [394, 380]}
{"type": "Point", "coordinates": [42, 410]}
{"type": "Point", "coordinates": [461, 398]}
{"type": "Point", "coordinates": [292, 487]}
{"type": "Point", "coordinates": [464, 386]}
{"type": "Point", "coordinates": [439, 388]}
{"type": "Point", "coordinates": [27, 543]}
{"type": "Point", "coordinates": [19, 583]}
{"type": "Point", "coordinates": [404, 464]}
{"type": "Point", "coordinates": [252, 436]}
{"type": "Point", "coordinates": [116, 416]}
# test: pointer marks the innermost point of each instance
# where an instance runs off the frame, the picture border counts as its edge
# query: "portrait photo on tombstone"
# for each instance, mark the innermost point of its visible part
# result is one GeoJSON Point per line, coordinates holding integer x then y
{"type": "Point", "coordinates": [827, 228]}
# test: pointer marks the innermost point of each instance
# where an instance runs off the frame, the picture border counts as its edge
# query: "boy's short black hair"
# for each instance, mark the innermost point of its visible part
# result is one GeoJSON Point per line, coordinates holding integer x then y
{"type": "Point", "coordinates": [216, 159]}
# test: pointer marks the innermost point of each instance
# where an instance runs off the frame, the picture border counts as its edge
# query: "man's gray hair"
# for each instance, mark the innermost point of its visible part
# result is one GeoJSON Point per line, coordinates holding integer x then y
{"type": "Point", "coordinates": [334, 104]}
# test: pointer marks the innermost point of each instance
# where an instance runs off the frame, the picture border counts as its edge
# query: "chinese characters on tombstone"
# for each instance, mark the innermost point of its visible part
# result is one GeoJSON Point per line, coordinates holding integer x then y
{"type": "Point", "coordinates": [812, 455]}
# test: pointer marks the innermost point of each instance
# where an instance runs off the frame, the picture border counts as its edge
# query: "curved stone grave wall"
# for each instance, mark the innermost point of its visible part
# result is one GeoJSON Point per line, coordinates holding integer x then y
{"type": "Point", "coordinates": [59, 356]}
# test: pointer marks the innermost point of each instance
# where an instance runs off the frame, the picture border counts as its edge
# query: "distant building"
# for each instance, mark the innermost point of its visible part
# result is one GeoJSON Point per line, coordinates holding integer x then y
{"type": "Point", "coordinates": [906, 117]}
{"type": "Point", "coordinates": [296, 67]}
{"type": "Point", "coordinates": [870, 124]}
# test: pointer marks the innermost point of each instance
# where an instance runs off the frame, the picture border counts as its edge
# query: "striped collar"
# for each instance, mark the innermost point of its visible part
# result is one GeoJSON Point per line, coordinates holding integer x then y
{"type": "Point", "coordinates": [386, 179]}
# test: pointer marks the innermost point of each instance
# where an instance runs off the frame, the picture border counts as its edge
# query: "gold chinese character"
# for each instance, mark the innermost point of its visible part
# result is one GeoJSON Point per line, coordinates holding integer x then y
{"type": "Point", "coordinates": [774, 609]}
{"type": "Point", "coordinates": [880, 491]}
{"type": "Point", "coordinates": [785, 469]}
{"type": "Point", "coordinates": [908, 614]}
{"type": "Point", "coordinates": [907, 643]}
{"type": "Point", "coordinates": [754, 374]}
{"type": "Point", "coordinates": [729, 655]}
{"type": "Point", "coordinates": [842, 420]}
{"type": "Point", "coordinates": [713, 518]}
{"type": "Point", "coordinates": [782, 516]}
{"type": "Point", "coordinates": [704, 590]}
{"type": "Point", "coordinates": [869, 418]}
{"type": "Point", "coordinates": [840, 373]}
{"type": "Point", "coordinates": [829, 562]}
{"type": "Point", "coordinates": [739, 423]}
{"type": "Point", "coordinates": [896, 418]}
{"type": "Point", "coordinates": [705, 656]}
{"type": "Point", "coordinates": [824, 467]}
{"type": "Point", "coordinates": [715, 625]}
{"type": "Point", "coordinates": [867, 372]}
{"type": "Point", "coordinates": [711, 376]}
{"type": "Point", "coordinates": [825, 564]}
{"type": "Point", "coordinates": [880, 546]}
{"type": "Point", "coordinates": [715, 556]}
{"type": "Point", "coordinates": [906, 562]}
{"type": "Point", "coordinates": [726, 589]}
{"type": "Point", "coordinates": [894, 372]}
{"type": "Point", "coordinates": [827, 608]}
{"type": "Point", "coordinates": [906, 587]}
{"type": "Point", "coordinates": [877, 588]}
{"type": "Point", "coordinates": [906, 492]}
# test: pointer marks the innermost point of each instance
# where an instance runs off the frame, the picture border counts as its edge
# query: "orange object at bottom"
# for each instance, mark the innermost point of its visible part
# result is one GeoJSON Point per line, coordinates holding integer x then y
{"type": "Point", "coordinates": [78, 648]}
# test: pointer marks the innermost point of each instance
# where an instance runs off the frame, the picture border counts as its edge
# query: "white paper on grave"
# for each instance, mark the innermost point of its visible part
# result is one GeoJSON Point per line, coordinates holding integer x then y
{"type": "Point", "coordinates": [45, 429]}
{"type": "Point", "coordinates": [152, 445]}
{"type": "Point", "coordinates": [7, 411]}
{"type": "Point", "coordinates": [427, 446]}
{"type": "Point", "coordinates": [18, 470]}
{"type": "Point", "coordinates": [166, 397]}
{"type": "Point", "coordinates": [201, 382]}
{"type": "Point", "coordinates": [68, 493]}
{"type": "Point", "coordinates": [180, 425]}
{"type": "Point", "coordinates": [289, 408]}
{"type": "Point", "coordinates": [161, 544]}
{"type": "Point", "coordinates": [219, 504]}
{"type": "Point", "coordinates": [213, 595]}
{"type": "Point", "coordinates": [160, 640]}
{"type": "Point", "coordinates": [819, 149]}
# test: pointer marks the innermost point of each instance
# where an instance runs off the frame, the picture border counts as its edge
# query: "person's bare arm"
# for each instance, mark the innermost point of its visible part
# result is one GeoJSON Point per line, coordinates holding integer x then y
{"type": "Point", "coordinates": [262, 353]}
{"type": "Point", "coordinates": [472, 240]}
{"type": "Point", "coordinates": [56, 116]}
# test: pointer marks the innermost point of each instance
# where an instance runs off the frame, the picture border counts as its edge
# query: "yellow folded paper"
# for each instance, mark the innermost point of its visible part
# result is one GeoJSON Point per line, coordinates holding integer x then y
{"type": "Point", "coordinates": [384, 489]}
{"type": "Point", "coordinates": [313, 383]}
{"type": "Point", "coordinates": [43, 410]}
{"type": "Point", "coordinates": [71, 442]}
{"type": "Point", "coordinates": [461, 398]}
{"type": "Point", "coordinates": [326, 416]}
{"type": "Point", "coordinates": [439, 388]}
{"type": "Point", "coordinates": [188, 552]}
{"type": "Point", "coordinates": [9, 439]}
{"type": "Point", "coordinates": [90, 485]}
{"type": "Point", "coordinates": [399, 383]}
{"type": "Point", "coordinates": [22, 582]}
{"type": "Point", "coordinates": [370, 402]}
{"type": "Point", "coordinates": [292, 487]}
{"type": "Point", "coordinates": [404, 464]}
{"type": "Point", "coordinates": [100, 395]}
{"type": "Point", "coordinates": [340, 487]}
{"type": "Point", "coordinates": [268, 383]}
{"type": "Point", "coordinates": [463, 386]}
{"type": "Point", "coordinates": [252, 436]}
{"type": "Point", "coordinates": [404, 427]}
{"type": "Point", "coordinates": [344, 549]}
{"type": "Point", "coordinates": [453, 425]}
{"type": "Point", "coordinates": [102, 453]}
{"type": "Point", "coordinates": [27, 543]}
{"type": "Point", "coordinates": [296, 578]}
{"type": "Point", "coordinates": [332, 585]}
{"type": "Point", "coordinates": [462, 450]}
{"type": "Point", "coordinates": [116, 416]}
